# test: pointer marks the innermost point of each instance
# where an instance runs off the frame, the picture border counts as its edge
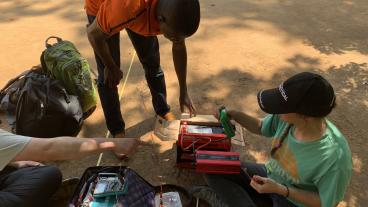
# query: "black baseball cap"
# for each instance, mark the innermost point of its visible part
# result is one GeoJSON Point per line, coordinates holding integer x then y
{"type": "Point", "coordinates": [304, 93]}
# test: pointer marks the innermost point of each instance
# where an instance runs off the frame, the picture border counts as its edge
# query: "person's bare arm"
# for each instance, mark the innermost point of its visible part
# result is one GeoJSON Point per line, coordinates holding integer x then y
{"type": "Point", "coordinates": [267, 185]}
{"type": "Point", "coordinates": [179, 52]}
{"type": "Point", "coordinates": [98, 40]}
{"type": "Point", "coordinates": [22, 164]}
{"type": "Point", "coordinates": [252, 124]}
{"type": "Point", "coordinates": [68, 148]}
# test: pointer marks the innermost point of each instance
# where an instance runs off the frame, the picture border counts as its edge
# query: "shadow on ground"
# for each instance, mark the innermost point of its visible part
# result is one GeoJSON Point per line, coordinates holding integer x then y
{"type": "Point", "coordinates": [335, 26]}
{"type": "Point", "coordinates": [329, 26]}
{"type": "Point", "coordinates": [232, 88]}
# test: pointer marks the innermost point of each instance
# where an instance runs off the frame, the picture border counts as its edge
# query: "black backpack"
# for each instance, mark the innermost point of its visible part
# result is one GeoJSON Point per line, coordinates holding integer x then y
{"type": "Point", "coordinates": [44, 109]}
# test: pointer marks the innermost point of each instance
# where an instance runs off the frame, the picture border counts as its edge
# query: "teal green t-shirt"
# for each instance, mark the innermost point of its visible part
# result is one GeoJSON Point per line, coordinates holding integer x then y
{"type": "Point", "coordinates": [323, 166]}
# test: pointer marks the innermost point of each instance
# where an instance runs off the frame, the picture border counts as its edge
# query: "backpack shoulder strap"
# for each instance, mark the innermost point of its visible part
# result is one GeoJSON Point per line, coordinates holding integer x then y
{"type": "Point", "coordinates": [42, 61]}
{"type": "Point", "coordinates": [18, 111]}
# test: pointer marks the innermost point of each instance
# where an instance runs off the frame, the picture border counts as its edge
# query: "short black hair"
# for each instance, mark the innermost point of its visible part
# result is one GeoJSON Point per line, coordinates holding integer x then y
{"type": "Point", "coordinates": [186, 17]}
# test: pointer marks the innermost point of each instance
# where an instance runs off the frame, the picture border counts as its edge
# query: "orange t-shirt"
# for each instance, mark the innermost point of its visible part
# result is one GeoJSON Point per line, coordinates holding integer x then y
{"type": "Point", "coordinates": [116, 15]}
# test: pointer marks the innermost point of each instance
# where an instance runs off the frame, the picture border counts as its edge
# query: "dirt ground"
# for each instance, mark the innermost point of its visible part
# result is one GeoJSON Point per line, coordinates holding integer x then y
{"type": "Point", "coordinates": [241, 47]}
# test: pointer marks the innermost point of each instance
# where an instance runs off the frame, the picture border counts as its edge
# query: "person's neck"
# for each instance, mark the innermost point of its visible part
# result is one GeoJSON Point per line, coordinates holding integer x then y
{"type": "Point", "coordinates": [310, 130]}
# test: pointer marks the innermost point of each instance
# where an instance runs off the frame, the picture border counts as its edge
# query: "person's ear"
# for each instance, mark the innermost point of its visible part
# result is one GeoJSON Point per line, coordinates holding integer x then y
{"type": "Point", "coordinates": [161, 18]}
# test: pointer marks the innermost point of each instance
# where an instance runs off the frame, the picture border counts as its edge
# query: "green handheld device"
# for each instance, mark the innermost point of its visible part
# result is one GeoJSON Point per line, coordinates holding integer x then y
{"type": "Point", "coordinates": [224, 119]}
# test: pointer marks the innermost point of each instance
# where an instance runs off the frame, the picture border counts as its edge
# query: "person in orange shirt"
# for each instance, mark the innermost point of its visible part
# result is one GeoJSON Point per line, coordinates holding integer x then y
{"type": "Point", "coordinates": [143, 20]}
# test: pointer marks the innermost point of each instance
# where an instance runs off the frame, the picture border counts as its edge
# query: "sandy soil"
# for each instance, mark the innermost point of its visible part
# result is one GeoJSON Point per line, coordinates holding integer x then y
{"type": "Point", "coordinates": [241, 47]}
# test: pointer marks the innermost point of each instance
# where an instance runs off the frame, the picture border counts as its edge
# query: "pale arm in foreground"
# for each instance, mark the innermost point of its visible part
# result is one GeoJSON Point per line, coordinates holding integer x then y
{"type": "Point", "coordinates": [68, 148]}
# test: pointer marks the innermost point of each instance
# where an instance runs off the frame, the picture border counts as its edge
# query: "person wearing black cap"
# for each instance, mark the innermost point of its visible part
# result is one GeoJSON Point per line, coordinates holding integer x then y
{"type": "Point", "coordinates": [310, 161]}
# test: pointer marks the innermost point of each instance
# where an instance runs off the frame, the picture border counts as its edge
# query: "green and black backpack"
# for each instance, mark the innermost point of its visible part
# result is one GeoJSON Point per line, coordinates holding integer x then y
{"type": "Point", "coordinates": [62, 61]}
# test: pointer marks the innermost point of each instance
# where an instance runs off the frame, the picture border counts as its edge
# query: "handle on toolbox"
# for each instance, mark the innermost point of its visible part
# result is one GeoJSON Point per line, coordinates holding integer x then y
{"type": "Point", "coordinates": [225, 121]}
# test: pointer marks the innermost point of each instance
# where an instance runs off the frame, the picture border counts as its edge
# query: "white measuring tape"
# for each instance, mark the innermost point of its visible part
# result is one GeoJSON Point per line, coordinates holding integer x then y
{"type": "Point", "coordinates": [121, 92]}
